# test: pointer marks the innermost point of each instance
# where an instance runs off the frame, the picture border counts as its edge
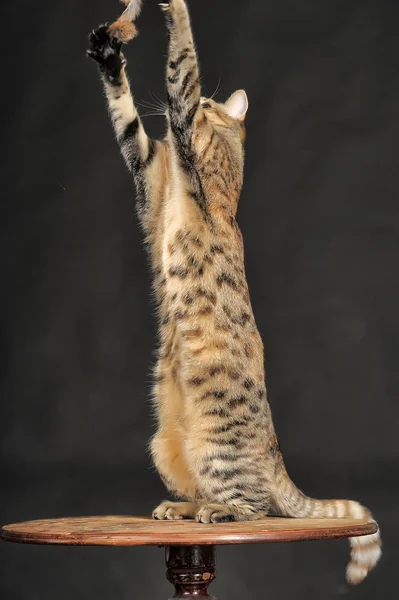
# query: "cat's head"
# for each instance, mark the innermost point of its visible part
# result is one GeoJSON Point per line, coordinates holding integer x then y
{"type": "Point", "coordinates": [229, 115]}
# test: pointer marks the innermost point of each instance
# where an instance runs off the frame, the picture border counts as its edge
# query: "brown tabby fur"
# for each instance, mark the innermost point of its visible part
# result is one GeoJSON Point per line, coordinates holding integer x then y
{"type": "Point", "coordinates": [215, 446]}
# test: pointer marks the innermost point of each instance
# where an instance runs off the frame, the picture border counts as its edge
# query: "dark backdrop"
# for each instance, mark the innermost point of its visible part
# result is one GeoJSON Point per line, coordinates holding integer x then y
{"type": "Point", "coordinates": [320, 216]}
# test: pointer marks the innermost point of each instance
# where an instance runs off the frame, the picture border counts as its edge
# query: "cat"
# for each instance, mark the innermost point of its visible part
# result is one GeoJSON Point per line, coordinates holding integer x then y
{"type": "Point", "coordinates": [215, 446]}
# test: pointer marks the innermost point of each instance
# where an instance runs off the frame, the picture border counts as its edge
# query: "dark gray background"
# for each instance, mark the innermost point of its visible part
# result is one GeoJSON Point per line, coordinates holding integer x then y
{"type": "Point", "coordinates": [320, 216]}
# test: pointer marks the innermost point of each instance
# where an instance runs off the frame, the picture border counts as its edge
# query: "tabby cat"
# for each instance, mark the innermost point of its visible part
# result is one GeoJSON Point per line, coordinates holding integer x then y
{"type": "Point", "coordinates": [215, 447]}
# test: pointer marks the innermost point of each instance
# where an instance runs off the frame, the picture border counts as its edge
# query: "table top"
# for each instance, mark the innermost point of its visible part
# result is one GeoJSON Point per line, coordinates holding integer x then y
{"type": "Point", "coordinates": [144, 531]}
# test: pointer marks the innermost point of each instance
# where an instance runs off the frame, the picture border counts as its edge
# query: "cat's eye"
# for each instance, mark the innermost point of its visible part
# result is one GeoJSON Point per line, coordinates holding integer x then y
{"type": "Point", "coordinates": [206, 105]}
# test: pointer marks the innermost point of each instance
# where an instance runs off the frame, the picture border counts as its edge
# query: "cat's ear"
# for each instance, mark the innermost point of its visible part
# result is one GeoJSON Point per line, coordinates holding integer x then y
{"type": "Point", "coordinates": [237, 105]}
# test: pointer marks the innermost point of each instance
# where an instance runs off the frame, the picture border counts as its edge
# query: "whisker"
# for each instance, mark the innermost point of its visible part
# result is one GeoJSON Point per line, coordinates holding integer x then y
{"type": "Point", "coordinates": [140, 104]}
{"type": "Point", "coordinates": [158, 100]}
{"type": "Point", "coordinates": [154, 114]}
{"type": "Point", "coordinates": [218, 87]}
{"type": "Point", "coordinates": [156, 105]}
{"type": "Point", "coordinates": [147, 104]}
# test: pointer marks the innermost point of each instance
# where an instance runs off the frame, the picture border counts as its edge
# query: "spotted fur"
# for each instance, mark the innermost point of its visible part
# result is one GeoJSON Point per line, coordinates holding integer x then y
{"type": "Point", "coordinates": [215, 446]}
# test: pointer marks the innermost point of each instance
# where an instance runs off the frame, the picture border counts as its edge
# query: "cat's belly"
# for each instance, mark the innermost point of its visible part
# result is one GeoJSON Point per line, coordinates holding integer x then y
{"type": "Point", "coordinates": [205, 304]}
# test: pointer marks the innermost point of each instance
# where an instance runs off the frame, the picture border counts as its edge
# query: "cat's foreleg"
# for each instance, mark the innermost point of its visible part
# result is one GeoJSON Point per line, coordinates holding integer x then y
{"type": "Point", "coordinates": [182, 75]}
{"type": "Point", "coordinates": [186, 114]}
{"type": "Point", "coordinates": [137, 148]}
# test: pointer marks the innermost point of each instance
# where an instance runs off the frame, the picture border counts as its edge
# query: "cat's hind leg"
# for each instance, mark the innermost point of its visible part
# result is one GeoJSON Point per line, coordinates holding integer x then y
{"type": "Point", "coordinates": [167, 452]}
{"type": "Point", "coordinates": [228, 456]}
{"type": "Point", "coordinates": [175, 511]}
{"type": "Point", "coordinates": [168, 446]}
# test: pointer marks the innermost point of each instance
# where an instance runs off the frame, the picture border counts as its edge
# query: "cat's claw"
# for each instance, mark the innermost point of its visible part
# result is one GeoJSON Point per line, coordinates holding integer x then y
{"type": "Point", "coordinates": [164, 6]}
{"type": "Point", "coordinates": [105, 50]}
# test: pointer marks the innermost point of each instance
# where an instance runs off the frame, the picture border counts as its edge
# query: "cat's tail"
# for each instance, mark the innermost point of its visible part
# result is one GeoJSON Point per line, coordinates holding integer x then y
{"type": "Point", "coordinates": [365, 550]}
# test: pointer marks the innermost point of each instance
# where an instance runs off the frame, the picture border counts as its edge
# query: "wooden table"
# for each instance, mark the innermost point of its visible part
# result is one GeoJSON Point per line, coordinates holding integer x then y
{"type": "Point", "coordinates": [190, 546]}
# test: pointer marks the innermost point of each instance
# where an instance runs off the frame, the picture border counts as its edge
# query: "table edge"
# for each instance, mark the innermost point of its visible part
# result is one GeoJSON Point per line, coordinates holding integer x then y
{"type": "Point", "coordinates": [181, 539]}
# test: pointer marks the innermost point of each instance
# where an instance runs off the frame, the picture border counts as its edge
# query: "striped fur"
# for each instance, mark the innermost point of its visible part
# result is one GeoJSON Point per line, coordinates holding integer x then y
{"type": "Point", "coordinates": [289, 501]}
{"type": "Point", "coordinates": [215, 446]}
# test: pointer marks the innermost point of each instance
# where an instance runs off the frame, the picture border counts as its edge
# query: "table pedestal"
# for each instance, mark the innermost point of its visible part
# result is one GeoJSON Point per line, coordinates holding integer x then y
{"type": "Point", "coordinates": [191, 569]}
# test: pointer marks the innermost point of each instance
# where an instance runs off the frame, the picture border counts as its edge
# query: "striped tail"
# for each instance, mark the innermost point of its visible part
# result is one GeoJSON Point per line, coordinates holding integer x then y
{"type": "Point", "coordinates": [365, 550]}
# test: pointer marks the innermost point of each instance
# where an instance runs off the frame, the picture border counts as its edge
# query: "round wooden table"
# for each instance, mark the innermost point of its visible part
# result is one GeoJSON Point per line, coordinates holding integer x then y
{"type": "Point", "coordinates": [190, 546]}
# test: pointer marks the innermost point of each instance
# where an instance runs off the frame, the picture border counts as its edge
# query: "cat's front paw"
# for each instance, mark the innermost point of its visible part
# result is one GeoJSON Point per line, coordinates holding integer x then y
{"type": "Point", "coordinates": [105, 50]}
{"type": "Point", "coordinates": [172, 5]}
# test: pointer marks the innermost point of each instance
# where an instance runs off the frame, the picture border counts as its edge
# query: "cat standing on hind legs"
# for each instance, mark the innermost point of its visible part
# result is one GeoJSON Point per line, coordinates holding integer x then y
{"type": "Point", "coordinates": [215, 446]}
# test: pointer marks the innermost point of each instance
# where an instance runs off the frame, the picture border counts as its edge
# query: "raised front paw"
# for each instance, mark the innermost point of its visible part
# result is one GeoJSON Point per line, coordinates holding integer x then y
{"type": "Point", "coordinates": [173, 5]}
{"type": "Point", "coordinates": [105, 50]}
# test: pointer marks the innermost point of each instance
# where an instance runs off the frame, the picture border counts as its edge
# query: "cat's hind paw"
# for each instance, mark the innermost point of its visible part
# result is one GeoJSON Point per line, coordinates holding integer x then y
{"type": "Point", "coordinates": [175, 511]}
{"type": "Point", "coordinates": [216, 513]}
{"type": "Point", "coordinates": [220, 513]}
